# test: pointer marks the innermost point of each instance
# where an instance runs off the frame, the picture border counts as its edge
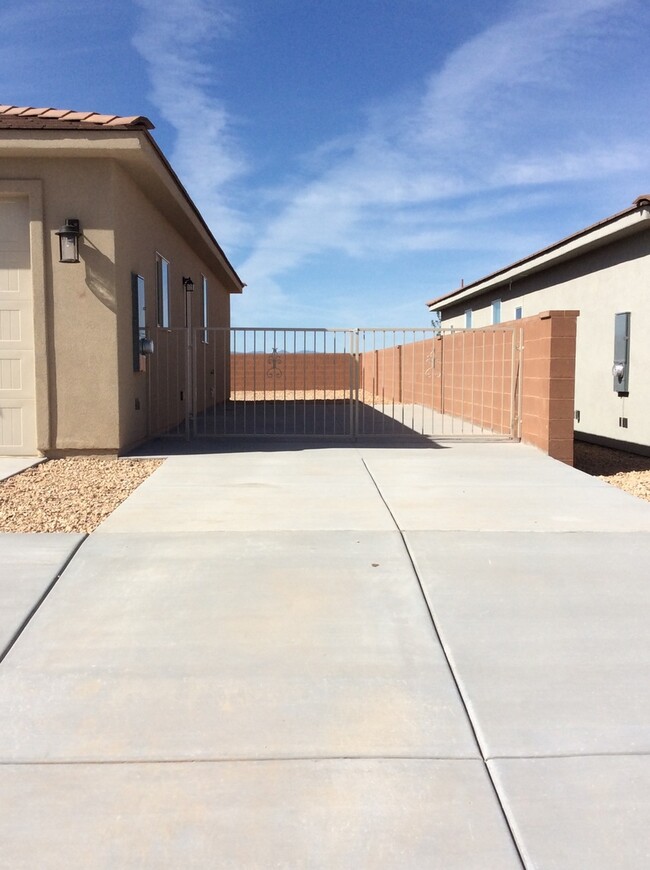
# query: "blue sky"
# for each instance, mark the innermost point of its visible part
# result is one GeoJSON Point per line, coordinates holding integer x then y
{"type": "Point", "coordinates": [358, 158]}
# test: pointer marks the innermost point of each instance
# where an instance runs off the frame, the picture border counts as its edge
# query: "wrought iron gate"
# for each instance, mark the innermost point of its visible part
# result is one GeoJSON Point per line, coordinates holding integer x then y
{"type": "Point", "coordinates": [335, 382]}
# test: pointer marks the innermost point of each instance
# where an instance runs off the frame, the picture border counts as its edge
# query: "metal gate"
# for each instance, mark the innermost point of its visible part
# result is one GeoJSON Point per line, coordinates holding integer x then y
{"type": "Point", "coordinates": [346, 383]}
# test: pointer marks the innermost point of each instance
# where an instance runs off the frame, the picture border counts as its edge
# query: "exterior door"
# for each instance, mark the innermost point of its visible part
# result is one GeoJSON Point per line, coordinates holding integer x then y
{"type": "Point", "coordinates": [17, 378]}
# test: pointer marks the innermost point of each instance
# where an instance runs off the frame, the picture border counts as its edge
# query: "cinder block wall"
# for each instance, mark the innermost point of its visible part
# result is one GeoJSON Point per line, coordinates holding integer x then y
{"type": "Point", "coordinates": [469, 375]}
{"type": "Point", "coordinates": [288, 372]}
{"type": "Point", "coordinates": [477, 370]}
{"type": "Point", "coordinates": [548, 382]}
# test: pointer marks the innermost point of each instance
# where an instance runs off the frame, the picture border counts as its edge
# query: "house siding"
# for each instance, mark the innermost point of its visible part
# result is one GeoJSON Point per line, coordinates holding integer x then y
{"type": "Point", "coordinates": [599, 283]}
{"type": "Point", "coordinates": [79, 335]}
{"type": "Point", "coordinates": [142, 230]}
{"type": "Point", "coordinates": [88, 397]}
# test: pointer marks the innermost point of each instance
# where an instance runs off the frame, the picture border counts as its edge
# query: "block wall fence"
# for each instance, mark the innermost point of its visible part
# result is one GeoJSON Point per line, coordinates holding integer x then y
{"type": "Point", "coordinates": [289, 373]}
{"type": "Point", "coordinates": [548, 382]}
{"type": "Point", "coordinates": [469, 374]}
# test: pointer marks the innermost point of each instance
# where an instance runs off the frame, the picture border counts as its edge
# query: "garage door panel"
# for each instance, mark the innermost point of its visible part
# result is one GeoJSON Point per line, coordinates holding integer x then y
{"type": "Point", "coordinates": [16, 426]}
{"type": "Point", "coordinates": [17, 367]}
{"type": "Point", "coordinates": [15, 371]}
{"type": "Point", "coordinates": [16, 325]}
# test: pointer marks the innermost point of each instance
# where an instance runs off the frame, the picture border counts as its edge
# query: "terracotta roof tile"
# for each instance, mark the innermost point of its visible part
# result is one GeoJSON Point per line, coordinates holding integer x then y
{"type": "Point", "coordinates": [29, 117]}
{"type": "Point", "coordinates": [75, 116]}
{"type": "Point", "coordinates": [130, 120]}
{"type": "Point", "coordinates": [29, 112]}
{"type": "Point", "coordinates": [101, 119]}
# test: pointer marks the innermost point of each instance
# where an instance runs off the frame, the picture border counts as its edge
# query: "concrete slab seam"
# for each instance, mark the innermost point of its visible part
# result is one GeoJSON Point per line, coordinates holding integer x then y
{"type": "Point", "coordinates": [278, 759]}
{"type": "Point", "coordinates": [21, 628]}
{"type": "Point", "coordinates": [495, 791]}
{"type": "Point", "coordinates": [487, 760]}
{"type": "Point", "coordinates": [560, 756]}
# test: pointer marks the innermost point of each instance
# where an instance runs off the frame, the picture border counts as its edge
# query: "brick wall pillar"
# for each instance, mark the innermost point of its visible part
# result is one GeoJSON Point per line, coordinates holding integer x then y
{"type": "Point", "coordinates": [548, 382]}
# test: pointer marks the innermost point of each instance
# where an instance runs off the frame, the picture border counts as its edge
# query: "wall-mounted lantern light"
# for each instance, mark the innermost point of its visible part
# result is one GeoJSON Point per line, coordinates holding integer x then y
{"type": "Point", "coordinates": [69, 241]}
{"type": "Point", "coordinates": [188, 284]}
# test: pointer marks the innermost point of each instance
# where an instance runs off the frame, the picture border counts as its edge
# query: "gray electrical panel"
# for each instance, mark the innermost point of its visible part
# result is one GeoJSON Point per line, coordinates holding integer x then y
{"type": "Point", "coordinates": [621, 367]}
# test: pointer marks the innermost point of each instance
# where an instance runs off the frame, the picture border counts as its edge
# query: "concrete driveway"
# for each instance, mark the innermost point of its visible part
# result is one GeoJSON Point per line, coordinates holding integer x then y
{"type": "Point", "coordinates": [333, 657]}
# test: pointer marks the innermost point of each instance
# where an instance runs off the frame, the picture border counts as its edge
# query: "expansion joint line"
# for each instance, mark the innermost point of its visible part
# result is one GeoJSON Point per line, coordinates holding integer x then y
{"type": "Point", "coordinates": [450, 666]}
{"type": "Point", "coordinates": [21, 628]}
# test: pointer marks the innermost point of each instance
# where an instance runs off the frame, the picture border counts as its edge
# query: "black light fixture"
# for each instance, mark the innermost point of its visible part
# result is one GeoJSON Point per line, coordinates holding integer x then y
{"type": "Point", "coordinates": [188, 284]}
{"type": "Point", "coordinates": [69, 241]}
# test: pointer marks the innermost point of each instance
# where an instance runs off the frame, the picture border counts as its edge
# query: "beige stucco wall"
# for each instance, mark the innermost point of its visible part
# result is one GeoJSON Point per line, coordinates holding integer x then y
{"type": "Point", "coordinates": [129, 208]}
{"type": "Point", "coordinates": [140, 232]}
{"type": "Point", "coordinates": [76, 349]}
{"type": "Point", "coordinates": [600, 283]}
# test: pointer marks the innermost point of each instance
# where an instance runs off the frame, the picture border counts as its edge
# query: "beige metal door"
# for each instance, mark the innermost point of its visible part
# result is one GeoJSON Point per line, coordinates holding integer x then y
{"type": "Point", "coordinates": [17, 380]}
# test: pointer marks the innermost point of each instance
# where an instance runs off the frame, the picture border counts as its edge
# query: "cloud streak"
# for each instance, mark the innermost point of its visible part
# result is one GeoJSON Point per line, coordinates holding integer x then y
{"type": "Point", "coordinates": [174, 40]}
{"type": "Point", "coordinates": [472, 132]}
{"type": "Point", "coordinates": [503, 118]}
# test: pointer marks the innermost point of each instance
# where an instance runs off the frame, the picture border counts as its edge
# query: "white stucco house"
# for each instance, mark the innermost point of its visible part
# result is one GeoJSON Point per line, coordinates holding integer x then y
{"type": "Point", "coordinates": [604, 272]}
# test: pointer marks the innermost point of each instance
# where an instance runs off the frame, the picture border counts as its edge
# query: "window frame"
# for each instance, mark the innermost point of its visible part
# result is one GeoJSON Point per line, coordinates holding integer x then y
{"type": "Point", "coordinates": [496, 312]}
{"type": "Point", "coordinates": [163, 308]}
{"type": "Point", "coordinates": [139, 323]}
{"type": "Point", "coordinates": [205, 311]}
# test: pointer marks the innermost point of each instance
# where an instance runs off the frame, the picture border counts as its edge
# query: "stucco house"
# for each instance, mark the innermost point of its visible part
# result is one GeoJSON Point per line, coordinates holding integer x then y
{"type": "Point", "coordinates": [98, 241]}
{"type": "Point", "coordinates": [602, 271]}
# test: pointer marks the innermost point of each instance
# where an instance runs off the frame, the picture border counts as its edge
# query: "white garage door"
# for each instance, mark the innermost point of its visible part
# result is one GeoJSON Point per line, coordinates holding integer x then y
{"type": "Point", "coordinates": [17, 383]}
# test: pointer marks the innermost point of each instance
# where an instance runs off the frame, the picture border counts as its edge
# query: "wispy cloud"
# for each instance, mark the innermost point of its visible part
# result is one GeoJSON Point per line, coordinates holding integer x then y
{"type": "Point", "coordinates": [499, 115]}
{"type": "Point", "coordinates": [174, 39]}
{"type": "Point", "coordinates": [508, 114]}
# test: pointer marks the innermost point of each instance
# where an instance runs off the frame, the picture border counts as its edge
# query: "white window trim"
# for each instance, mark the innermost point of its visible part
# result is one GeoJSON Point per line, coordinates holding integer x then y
{"type": "Point", "coordinates": [205, 312]}
{"type": "Point", "coordinates": [163, 314]}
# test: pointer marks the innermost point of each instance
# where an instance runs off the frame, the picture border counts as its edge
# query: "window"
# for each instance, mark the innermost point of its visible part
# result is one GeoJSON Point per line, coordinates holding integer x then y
{"type": "Point", "coordinates": [496, 311]}
{"type": "Point", "coordinates": [162, 290]}
{"type": "Point", "coordinates": [519, 311]}
{"type": "Point", "coordinates": [468, 318]}
{"type": "Point", "coordinates": [139, 321]}
{"type": "Point", "coordinates": [204, 299]}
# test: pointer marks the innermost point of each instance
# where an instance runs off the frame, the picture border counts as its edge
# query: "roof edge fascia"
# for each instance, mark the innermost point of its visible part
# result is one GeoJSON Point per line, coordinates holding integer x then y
{"type": "Point", "coordinates": [624, 223]}
{"type": "Point", "coordinates": [226, 264]}
{"type": "Point", "coordinates": [122, 145]}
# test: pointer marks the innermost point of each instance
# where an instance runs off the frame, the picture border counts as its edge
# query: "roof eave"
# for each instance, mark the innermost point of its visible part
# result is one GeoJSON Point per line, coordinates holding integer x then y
{"type": "Point", "coordinates": [239, 284]}
{"type": "Point", "coordinates": [623, 223]}
{"type": "Point", "coordinates": [122, 143]}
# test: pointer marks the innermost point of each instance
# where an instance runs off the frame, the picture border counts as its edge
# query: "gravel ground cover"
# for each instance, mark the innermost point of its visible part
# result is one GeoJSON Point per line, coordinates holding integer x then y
{"type": "Point", "coordinates": [69, 495]}
{"type": "Point", "coordinates": [627, 471]}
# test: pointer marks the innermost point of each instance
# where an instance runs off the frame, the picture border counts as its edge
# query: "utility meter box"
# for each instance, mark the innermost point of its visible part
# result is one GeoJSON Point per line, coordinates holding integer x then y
{"type": "Point", "coordinates": [621, 367]}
